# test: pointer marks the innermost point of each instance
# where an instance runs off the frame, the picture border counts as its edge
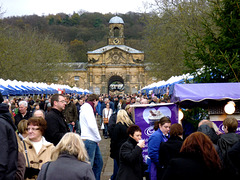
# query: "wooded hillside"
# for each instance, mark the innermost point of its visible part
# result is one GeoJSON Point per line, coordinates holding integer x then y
{"type": "Point", "coordinates": [81, 32]}
{"type": "Point", "coordinates": [177, 37]}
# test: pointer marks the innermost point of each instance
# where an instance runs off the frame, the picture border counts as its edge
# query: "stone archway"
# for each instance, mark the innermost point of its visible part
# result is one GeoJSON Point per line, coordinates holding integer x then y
{"type": "Point", "coordinates": [115, 83]}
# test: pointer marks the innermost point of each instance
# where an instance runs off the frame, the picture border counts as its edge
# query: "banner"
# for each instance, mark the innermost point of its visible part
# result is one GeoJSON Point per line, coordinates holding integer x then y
{"type": "Point", "coordinates": [220, 126]}
{"type": "Point", "coordinates": [142, 117]}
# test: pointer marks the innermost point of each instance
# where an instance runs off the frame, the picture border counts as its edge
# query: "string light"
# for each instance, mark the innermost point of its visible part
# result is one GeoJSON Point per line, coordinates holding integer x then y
{"type": "Point", "coordinates": [229, 108]}
{"type": "Point", "coordinates": [180, 115]}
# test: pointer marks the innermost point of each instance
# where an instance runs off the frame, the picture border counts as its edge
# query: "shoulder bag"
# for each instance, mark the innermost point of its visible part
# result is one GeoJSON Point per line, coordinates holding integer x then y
{"type": "Point", "coordinates": [105, 120]}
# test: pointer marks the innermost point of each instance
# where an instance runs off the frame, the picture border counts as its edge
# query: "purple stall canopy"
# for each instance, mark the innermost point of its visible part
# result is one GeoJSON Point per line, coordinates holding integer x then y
{"type": "Point", "coordinates": [201, 93]}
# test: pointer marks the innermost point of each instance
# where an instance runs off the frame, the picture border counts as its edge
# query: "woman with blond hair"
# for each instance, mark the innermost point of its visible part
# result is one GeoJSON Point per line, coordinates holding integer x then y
{"type": "Point", "coordinates": [123, 118]}
{"type": "Point", "coordinates": [70, 161]}
{"type": "Point", "coordinates": [22, 129]}
{"type": "Point", "coordinates": [198, 159]}
{"type": "Point", "coordinates": [119, 136]}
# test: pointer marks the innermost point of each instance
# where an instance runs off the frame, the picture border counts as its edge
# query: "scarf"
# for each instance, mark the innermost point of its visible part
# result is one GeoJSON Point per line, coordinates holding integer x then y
{"type": "Point", "coordinates": [91, 103]}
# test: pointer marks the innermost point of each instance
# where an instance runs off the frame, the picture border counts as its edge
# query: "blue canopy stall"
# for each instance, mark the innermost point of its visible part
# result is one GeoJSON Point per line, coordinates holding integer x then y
{"type": "Point", "coordinates": [162, 87]}
{"type": "Point", "coordinates": [4, 90]}
{"type": "Point", "coordinates": [19, 88]}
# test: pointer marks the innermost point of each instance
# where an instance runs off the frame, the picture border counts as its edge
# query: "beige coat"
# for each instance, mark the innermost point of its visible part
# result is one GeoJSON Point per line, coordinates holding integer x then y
{"type": "Point", "coordinates": [37, 160]}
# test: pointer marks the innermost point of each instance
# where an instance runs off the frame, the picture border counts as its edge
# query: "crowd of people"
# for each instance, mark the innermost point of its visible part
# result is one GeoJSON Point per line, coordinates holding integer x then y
{"type": "Point", "coordinates": [58, 138]}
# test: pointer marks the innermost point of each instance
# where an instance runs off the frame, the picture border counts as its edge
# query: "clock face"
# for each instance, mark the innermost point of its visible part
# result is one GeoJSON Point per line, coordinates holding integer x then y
{"type": "Point", "coordinates": [115, 57]}
{"type": "Point", "coordinates": [116, 41]}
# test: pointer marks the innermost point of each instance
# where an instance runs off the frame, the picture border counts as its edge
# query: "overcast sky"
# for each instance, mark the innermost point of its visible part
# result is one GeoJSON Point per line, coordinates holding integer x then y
{"type": "Point", "coordinates": [45, 7]}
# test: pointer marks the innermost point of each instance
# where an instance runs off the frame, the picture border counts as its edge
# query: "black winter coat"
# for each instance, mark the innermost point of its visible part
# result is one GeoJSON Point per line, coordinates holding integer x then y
{"type": "Point", "coordinates": [131, 166]}
{"type": "Point", "coordinates": [19, 117]}
{"type": "Point", "coordinates": [70, 112]}
{"type": "Point", "coordinates": [234, 156]}
{"type": "Point", "coordinates": [112, 124]}
{"type": "Point", "coordinates": [67, 167]}
{"type": "Point", "coordinates": [119, 136]}
{"type": "Point", "coordinates": [9, 146]}
{"type": "Point", "coordinates": [189, 167]}
{"type": "Point", "coordinates": [225, 143]}
{"type": "Point", "coordinates": [168, 150]}
{"type": "Point", "coordinates": [210, 132]}
{"type": "Point", "coordinates": [56, 126]}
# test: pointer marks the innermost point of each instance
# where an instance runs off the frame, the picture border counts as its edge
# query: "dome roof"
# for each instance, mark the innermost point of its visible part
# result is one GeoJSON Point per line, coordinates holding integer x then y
{"type": "Point", "coordinates": [116, 20]}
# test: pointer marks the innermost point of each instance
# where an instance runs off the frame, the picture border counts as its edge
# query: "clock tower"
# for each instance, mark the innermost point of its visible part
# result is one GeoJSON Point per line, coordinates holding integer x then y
{"type": "Point", "coordinates": [116, 31]}
{"type": "Point", "coordinates": [115, 68]}
{"type": "Point", "coordinates": [112, 69]}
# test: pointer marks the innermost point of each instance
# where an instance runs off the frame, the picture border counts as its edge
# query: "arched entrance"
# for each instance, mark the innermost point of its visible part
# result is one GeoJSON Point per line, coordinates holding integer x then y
{"type": "Point", "coordinates": [115, 85]}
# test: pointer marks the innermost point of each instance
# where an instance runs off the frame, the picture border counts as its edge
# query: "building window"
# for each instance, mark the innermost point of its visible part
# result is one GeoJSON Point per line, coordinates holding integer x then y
{"type": "Point", "coordinates": [55, 78]}
{"type": "Point", "coordinates": [76, 78]}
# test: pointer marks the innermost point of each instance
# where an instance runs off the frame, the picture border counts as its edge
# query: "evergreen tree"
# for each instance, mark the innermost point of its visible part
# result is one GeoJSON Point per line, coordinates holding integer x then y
{"type": "Point", "coordinates": [215, 51]}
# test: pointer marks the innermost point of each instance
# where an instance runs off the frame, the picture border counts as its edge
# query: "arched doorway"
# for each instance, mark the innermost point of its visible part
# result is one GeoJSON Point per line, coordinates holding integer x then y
{"type": "Point", "coordinates": [115, 85]}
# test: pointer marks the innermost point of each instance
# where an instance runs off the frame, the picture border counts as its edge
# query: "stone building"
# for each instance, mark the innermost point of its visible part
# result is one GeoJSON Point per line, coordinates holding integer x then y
{"type": "Point", "coordinates": [114, 68]}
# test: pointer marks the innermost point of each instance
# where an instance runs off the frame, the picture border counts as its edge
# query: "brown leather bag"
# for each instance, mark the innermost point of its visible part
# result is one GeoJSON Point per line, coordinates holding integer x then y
{"type": "Point", "coordinates": [105, 120]}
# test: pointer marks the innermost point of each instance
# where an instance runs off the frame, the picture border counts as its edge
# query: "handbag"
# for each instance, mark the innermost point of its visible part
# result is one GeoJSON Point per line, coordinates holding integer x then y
{"type": "Point", "coordinates": [105, 120]}
{"type": "Point", "coordinates": [29, 171]}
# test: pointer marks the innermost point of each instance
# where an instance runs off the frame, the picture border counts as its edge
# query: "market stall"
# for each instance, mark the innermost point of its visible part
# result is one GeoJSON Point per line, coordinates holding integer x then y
{"type": "Point", "coordinates": [220, 99]}
{"type": "Point", "coordinates": [145, 115]}
{"type": "Point", "coordinates": [20, 88]}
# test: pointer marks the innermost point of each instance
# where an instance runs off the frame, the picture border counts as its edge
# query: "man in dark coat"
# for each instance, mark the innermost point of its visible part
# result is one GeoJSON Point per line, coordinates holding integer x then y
{"type": "Point", "coordinates": [225, 143]}
{"type": "Point", "coordinates": [234, 156]}
{"type": "Point", "coordinates": [23, 112]}
{"type": "Point", "coordinates": [70, 113]}
{"type": "Point", "coordinates": [209, 132]}
{"type": "Point", "coordinates": [8, 141]}
{"type": "Point", "coordinates": [111, 103]}
{"type": "Point", "coordinates": [56, 125]}
{"type": "Point", "coordinates": [205, 126]}
{"type": "Point", "coordinates": [111, 126]}
{"type": "Point", "coordinates": [112, 123]}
